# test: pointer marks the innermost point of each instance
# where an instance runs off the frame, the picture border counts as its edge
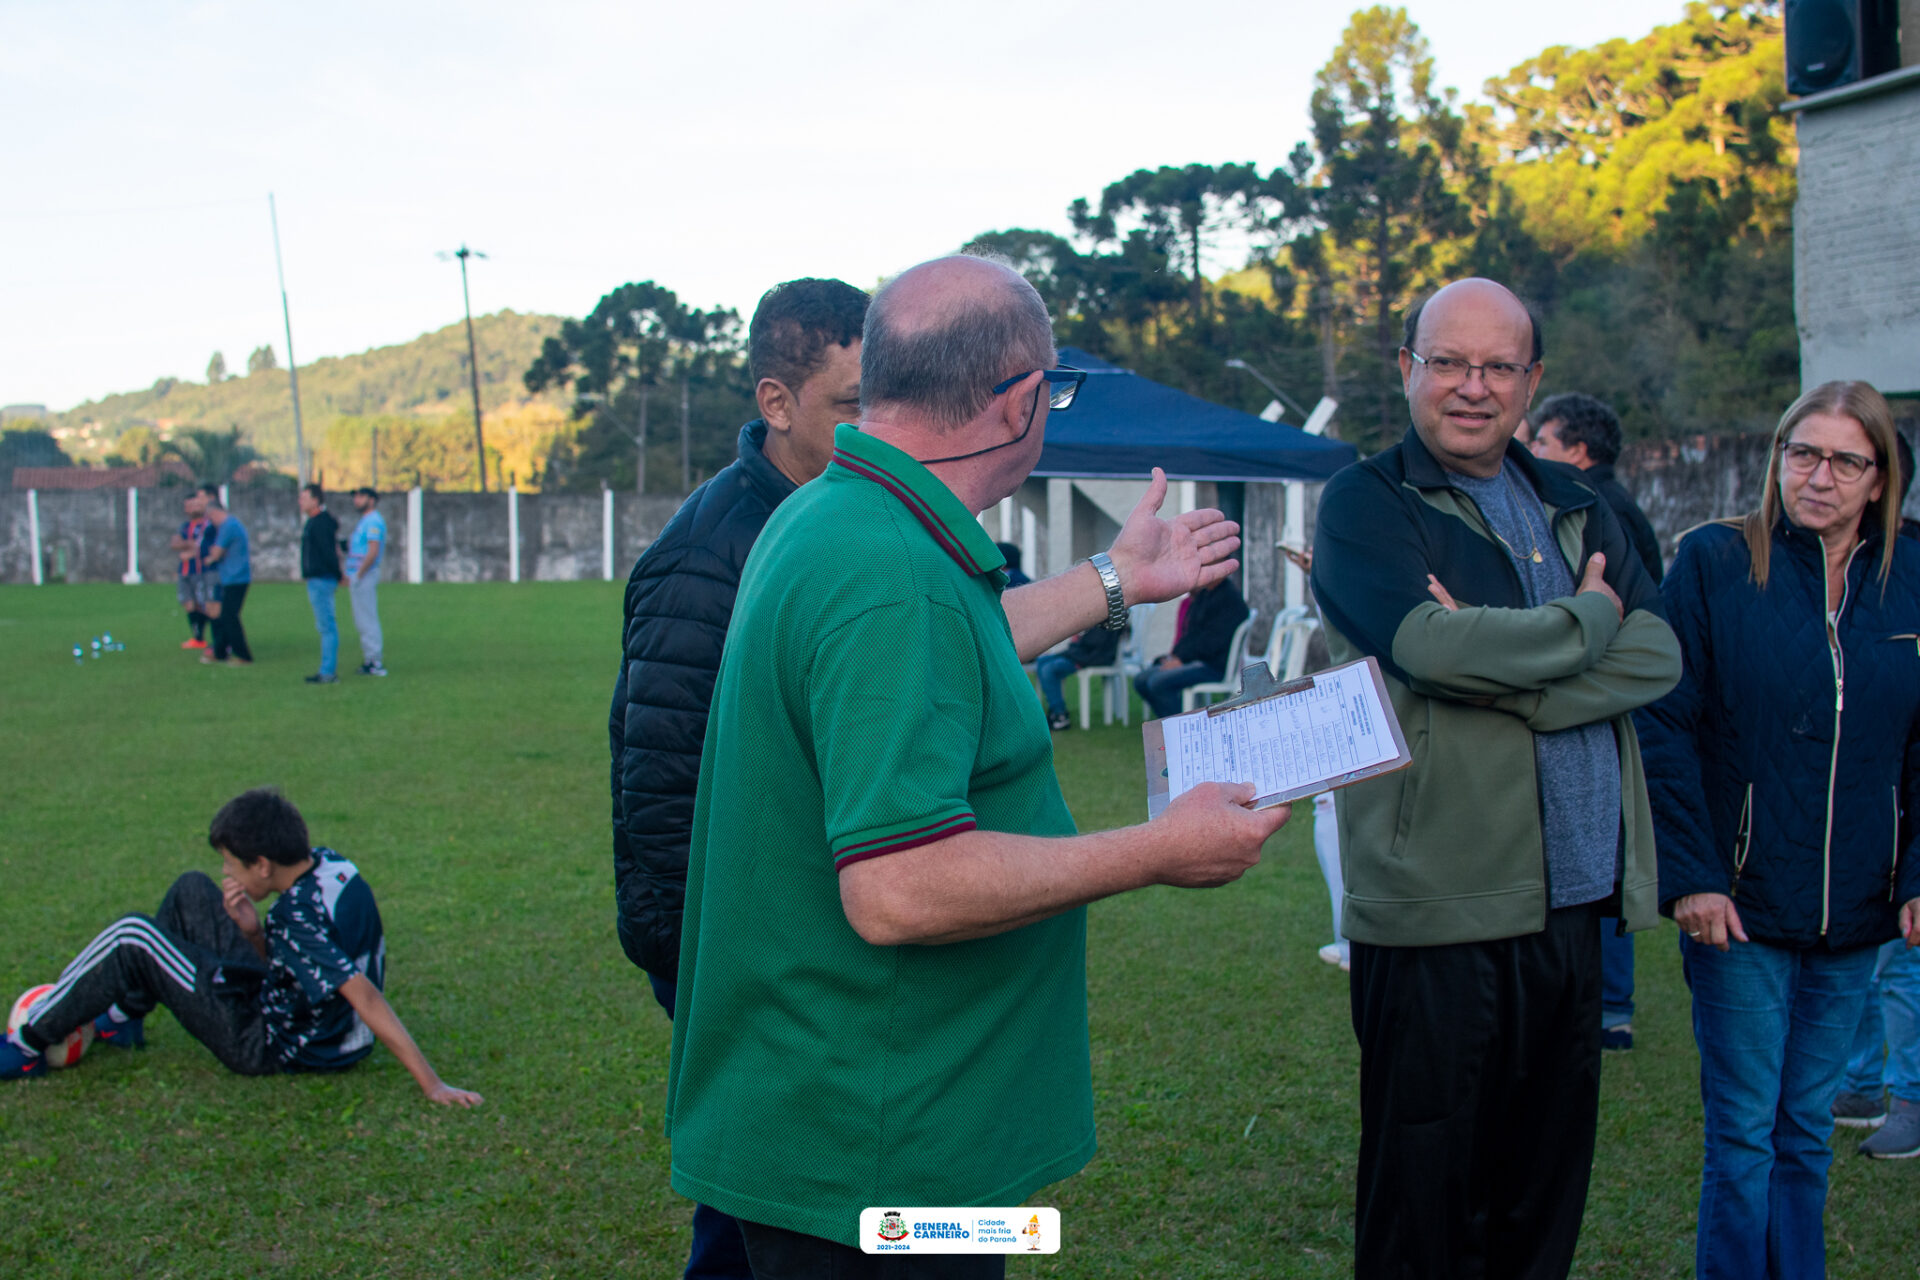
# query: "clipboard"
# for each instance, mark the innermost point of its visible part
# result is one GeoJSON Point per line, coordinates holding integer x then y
{"type": "Point", "coordinates": [1305, 736]}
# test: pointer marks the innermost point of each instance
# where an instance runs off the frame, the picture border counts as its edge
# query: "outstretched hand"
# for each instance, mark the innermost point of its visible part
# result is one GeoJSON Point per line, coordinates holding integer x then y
{"type": "Point", "coordinates": [1158, 559]}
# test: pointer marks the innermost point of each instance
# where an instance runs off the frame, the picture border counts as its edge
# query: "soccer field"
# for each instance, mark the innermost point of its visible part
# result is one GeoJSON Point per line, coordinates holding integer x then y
{"type": "Point", "coordinates": [471, 789]}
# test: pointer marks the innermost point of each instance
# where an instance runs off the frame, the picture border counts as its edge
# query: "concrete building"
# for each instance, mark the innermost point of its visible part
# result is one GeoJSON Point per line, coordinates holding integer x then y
{"type": "Point", "coordinates": [1856, 228]}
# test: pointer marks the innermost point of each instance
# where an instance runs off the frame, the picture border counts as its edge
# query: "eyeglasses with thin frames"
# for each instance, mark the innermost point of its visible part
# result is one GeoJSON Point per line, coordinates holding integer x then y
{"type": "Point", "coordinates": [1804, 460]}
{"type": "Point", "coordinates": [1451, 371]}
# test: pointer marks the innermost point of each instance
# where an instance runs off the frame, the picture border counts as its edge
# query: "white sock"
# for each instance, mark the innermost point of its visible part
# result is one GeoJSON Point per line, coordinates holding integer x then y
{"type": "Point", "coordinates": [114, 1012]}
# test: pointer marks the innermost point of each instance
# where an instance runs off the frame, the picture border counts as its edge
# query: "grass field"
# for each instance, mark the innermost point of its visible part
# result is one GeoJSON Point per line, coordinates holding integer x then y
{"type": "Point", "coordinates": [471, 789]}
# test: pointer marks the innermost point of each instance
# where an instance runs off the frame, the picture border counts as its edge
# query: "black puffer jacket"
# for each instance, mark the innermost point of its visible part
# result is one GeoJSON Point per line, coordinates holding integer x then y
{"type": "Point", "coordinates": [679, 602]}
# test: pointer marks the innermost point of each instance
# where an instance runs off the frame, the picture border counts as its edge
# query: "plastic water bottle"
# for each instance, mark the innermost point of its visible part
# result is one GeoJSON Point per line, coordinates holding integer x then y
{"type": "Point", "coordinates": [106, 642]}
{"type": "Point", "coordinates": [96, 646]}
{"type": "Point", "coordinates": [79, 655]}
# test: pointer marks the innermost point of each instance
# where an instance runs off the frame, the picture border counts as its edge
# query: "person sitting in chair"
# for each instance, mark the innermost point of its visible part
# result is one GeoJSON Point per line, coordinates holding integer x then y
{"type": "Point", "coordinates": [1202, 636]}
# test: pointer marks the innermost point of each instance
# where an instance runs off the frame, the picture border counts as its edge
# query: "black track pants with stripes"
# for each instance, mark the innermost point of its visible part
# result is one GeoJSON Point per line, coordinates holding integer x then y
{"type": "Point", "coordinates": [189, 956]}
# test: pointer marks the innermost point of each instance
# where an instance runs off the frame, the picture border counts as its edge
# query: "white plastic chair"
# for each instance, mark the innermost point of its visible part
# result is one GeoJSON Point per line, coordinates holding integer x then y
{"type": "Point", "coordinates": [1114, 679]}
{"type": "Point", "coordinates": [1287, 647]}
{"type": "Point", "coordinates": [1236, 659]}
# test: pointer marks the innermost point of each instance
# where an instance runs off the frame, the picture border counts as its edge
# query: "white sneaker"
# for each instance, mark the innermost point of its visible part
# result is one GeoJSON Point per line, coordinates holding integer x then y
{"type": "Point", "coordinates": [1334, 953]}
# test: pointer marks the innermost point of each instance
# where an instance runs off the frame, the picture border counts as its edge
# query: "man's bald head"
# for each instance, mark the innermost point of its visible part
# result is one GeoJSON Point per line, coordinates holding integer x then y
{"type": "Point", "coordinates": [1470, 366]}
{"type": "Point", "coordinates": [1476, 292]}
{"type": "Point", "coordinates": [939, 336]}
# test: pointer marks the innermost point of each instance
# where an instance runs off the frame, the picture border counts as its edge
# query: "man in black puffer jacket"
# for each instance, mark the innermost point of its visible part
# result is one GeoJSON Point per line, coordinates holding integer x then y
{"type": "Point", "coordinates": [803, 352]}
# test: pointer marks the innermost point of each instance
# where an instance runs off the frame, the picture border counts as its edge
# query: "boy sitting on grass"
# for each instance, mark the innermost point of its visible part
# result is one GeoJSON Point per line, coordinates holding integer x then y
{"type": "Point", "coordinates": [301, 994]}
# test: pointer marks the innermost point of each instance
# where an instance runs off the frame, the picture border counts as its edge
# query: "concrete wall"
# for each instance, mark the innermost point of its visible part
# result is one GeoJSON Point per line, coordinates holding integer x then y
{"type": "Point", "coordinates": [1856, 238]}
{"type": "Point", "coordinates": [464, 535]}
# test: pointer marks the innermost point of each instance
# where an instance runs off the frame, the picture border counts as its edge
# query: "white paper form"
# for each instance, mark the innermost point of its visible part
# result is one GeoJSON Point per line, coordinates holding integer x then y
{"type": "Point", "coordinates": [1294, 743]}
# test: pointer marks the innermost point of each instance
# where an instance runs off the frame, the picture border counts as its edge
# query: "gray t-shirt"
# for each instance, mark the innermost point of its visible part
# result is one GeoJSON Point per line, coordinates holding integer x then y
{"type": "Point", "coordinates": [1579, 768]}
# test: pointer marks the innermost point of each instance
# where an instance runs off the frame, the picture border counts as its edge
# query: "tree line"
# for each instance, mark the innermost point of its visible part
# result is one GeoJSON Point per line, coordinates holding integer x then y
{"type": "Point", "coordinates": [1637, 193]}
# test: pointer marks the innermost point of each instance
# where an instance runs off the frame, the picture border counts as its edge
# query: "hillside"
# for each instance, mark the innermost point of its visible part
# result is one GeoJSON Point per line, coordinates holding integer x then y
{"type": "Point", "coordinates": [427, 375]}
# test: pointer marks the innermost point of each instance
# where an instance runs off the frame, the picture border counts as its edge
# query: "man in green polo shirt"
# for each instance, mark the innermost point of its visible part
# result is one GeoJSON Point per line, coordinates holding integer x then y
{"type": "Point", "coordinates": [882, 994]}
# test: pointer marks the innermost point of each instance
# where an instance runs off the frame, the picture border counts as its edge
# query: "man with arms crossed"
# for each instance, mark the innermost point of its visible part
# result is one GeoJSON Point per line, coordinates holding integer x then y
{"type": "Point", "coordinates": [364, 554]}
{"type": "Point", "coordinates": [1517, 632]}
{"type": "Point", "coordinates": [803, 352]}
{"type": "Point", "coordinates": [882, 984]}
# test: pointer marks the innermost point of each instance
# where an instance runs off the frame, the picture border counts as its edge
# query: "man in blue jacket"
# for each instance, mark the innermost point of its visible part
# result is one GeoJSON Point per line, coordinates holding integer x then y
{"type": "Point", "coordinates": [1517, 632]}
{"type": "Point", "coordinates": [803, 352]}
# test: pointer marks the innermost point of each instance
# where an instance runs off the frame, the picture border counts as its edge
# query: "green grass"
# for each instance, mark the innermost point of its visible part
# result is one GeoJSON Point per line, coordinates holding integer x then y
{"type": "Point", "coordinates": [471, 788]}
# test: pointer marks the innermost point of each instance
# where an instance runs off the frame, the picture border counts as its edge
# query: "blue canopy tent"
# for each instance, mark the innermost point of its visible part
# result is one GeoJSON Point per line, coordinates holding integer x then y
{"type": "Point", "coordinates": [1122, 425]}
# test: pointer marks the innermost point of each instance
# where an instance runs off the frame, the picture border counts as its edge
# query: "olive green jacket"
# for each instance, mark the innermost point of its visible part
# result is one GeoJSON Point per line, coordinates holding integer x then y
{"type": "Point", "coordinates": [1451, 849]}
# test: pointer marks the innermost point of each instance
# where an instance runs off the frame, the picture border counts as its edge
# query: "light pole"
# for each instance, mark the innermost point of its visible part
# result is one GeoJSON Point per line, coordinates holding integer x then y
{"type": "Point", "coordinates": [293, 365]}
{"type": "Point", "coordinates": [1285, 399]}
{"type": "Point", "coordinates": [473, 359]}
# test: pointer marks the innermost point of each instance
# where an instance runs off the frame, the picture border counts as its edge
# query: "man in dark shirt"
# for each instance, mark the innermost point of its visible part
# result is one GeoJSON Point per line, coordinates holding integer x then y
{"type": "Point", "coordinates": [320, 567]}
{"type": "Point", "coordinates": [1584, 432]}
{"type": "Point", "coordinates": [803, 352]}
{"type": "Point", "coordinates": [1208, 619]}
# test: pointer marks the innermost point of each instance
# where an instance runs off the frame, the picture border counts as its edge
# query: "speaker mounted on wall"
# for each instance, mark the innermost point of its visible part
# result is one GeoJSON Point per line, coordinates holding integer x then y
{"type": "Point", "coordinates": [1831, 43]}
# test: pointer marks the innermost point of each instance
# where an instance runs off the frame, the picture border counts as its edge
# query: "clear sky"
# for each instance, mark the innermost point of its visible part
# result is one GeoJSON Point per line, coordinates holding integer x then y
{"type": "Point", "coordinates": [715, 148]}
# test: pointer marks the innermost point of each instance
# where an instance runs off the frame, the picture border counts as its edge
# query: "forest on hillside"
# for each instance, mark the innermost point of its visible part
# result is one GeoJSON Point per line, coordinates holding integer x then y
{"type": "Point", "coordinates": [1638, 193]}
{"type": "Point", "coordinates": [419, 388]}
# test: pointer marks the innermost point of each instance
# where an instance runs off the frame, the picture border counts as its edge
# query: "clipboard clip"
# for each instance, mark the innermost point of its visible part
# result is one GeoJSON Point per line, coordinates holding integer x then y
{"type": "Point", "coordinates": [1256, 685]}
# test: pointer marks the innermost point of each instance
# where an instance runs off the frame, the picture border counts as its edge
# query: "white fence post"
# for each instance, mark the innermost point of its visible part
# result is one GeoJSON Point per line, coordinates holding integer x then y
{"type": "Point", "coordinates": [513, 533]}
{"type": "Point", "coordinates": [132, 575]}
{"type": "Point", "coordinates": [223, 498]}
{"type": "Point", "coordinates": [1294, 533]}
{"type": "Point", "coordinates": [33, 534]}
{"type": "Point", "coordinates": [416, 538]}
{"type": "Point", "coordinates": [606, 534]}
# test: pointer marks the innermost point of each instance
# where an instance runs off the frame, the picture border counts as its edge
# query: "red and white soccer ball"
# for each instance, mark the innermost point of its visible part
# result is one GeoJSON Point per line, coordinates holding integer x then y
{"type": "Point", "coordinates": [68, 1051]}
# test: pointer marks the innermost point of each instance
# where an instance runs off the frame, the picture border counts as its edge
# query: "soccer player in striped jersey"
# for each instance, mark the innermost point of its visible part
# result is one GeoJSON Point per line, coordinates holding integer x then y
{"type": "Point", "coordinates": [301, 992]}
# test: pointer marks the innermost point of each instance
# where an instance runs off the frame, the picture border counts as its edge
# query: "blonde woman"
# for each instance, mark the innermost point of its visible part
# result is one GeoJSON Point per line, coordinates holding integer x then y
{"type": "Point", "coordinates": [1784, 771]}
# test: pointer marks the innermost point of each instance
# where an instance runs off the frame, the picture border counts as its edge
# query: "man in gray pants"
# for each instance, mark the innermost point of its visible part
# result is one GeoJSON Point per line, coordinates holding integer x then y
{"type": "Point", "coordinates": [365, 551]}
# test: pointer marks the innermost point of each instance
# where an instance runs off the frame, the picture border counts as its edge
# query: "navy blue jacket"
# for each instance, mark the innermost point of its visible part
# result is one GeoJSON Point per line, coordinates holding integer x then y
{"type": "Point", "coordinates": [1783, 775]}
{"type": "Point", "coordinates": [679, 603]}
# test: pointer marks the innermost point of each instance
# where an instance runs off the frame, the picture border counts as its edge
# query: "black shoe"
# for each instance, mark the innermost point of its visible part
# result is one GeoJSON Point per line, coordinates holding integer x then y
{"type": "Point", "coordinates": [317, 678]}
{"type": "Point", "coordinates": [1058, 721]}
{"type": "Point", "coordinates": [1617, 1039]}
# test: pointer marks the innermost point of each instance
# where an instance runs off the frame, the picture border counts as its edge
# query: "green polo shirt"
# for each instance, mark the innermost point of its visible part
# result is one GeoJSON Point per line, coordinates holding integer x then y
{"type": "Point", "coordinates": [870, 701]}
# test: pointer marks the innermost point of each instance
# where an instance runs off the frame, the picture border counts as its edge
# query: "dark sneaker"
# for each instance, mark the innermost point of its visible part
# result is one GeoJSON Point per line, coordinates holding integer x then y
{"type": "Point", "coordinates": [1858, 1111]}
{"type": "Point", "coordinates": [131, 1034]}
{"type": "Point", "coordinates": [317, 678]}
{"type": "Point", "coordinates": [1899, 1137]}
{"type": "Point", "coordinates": [1058, 721]}
{"type": "Point", "coordinates": [16, 1063]}
{"type": "Point", "coordinates": [1617, 1039]}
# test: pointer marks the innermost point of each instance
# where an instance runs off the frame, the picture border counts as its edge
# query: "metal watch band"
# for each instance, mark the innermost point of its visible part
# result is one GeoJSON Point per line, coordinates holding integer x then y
{"type": "Point", "coordinates": [1116, 599]}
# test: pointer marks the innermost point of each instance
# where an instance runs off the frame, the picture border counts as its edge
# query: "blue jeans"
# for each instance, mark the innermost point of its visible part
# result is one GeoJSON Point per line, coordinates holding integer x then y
{"type": "Point", "coordinates": [1616, 975]}
{"type": "Point", "coordinates": [719, 1252]}
{"type": "Point", "coordinates": [1773, 1025]}
{"type": "Point", "coordinates": [320, 596]}
{"type": "Point", "coordinates": [1161, 689]}
{"type": "Point", "coordinates": [1886, 1048]}
{"type": "Point", "coordinates": [1052, 669]}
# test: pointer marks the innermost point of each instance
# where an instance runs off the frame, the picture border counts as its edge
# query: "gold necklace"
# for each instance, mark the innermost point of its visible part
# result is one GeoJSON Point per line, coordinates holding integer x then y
{"type": "Point", "coordinates": [1520, 511]}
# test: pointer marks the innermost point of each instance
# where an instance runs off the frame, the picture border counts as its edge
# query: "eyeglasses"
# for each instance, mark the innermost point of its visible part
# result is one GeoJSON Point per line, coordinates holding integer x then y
{"type": "Point", "coordinates": [1804, 459]}
{"type": "Point", "coordinates": [1063, 384]}
{"type": "Point", "coordinates": [1452, 371]}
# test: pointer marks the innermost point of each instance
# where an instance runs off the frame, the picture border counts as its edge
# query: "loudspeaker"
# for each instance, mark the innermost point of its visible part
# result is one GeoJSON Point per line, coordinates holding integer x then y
{"type": "Point", "coordinates": [1836, 42]}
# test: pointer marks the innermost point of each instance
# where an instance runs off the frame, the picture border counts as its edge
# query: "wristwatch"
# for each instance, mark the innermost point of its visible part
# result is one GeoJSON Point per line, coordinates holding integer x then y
{"type": "Point", "coordinates": [1116, 599]}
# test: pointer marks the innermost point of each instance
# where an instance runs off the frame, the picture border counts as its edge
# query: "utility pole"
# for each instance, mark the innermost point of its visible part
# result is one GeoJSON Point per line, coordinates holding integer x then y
{"type": "Point", "coordinates": [473, 359]}
{"type": "Point", "coordinates": [293, 365]}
